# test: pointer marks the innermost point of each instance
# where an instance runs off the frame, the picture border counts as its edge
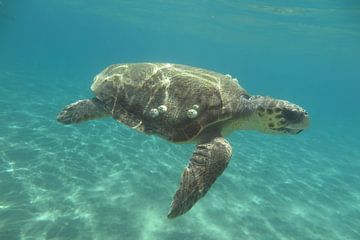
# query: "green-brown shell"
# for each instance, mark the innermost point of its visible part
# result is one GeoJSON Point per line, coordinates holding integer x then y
{"type": "Point", "coordinates": [163, 99]}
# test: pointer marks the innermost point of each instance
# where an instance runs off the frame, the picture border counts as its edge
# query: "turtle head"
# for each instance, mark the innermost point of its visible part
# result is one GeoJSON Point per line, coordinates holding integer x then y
{"type": "Point", "coordinates": [277, 116]}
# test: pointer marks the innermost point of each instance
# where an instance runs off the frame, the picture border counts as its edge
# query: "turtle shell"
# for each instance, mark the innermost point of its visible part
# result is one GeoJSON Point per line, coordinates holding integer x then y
{"type": "Point", "coordinates": [176, 102]}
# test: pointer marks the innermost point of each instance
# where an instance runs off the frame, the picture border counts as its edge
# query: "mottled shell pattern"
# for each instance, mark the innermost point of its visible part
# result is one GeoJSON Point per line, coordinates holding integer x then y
{"type": "Point", "coordinates": [176, 102]}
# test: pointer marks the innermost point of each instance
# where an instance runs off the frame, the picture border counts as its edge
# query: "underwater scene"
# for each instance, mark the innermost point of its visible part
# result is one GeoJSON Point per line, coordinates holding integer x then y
{"type": "Point", "coordinates": [102, 180]}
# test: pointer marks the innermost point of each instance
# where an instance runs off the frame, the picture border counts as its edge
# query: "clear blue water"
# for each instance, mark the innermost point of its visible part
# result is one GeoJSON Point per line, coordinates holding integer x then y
{"type": "Point", "coordinates": [101, 180]}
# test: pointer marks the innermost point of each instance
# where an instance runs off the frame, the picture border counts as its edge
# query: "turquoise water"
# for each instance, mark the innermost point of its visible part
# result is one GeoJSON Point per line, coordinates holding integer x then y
{"type": "Point", "coordinates": [101, 180]}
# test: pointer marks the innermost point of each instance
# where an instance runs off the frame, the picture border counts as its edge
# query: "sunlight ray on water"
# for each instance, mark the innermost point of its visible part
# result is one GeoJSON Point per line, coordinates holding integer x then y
{"type": "Point", "coordinates": [102, 180]}
{"type": "Point", "coordinates": [58, 182]}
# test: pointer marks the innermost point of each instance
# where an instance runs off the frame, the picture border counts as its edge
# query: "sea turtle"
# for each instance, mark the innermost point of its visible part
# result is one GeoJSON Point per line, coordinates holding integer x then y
{"type": "Point", "coordinates": [185, 104]}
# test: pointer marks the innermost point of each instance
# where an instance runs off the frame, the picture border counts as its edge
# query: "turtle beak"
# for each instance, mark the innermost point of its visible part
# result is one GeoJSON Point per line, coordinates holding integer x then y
{"type": "Point", "coordinates": [299, 122]}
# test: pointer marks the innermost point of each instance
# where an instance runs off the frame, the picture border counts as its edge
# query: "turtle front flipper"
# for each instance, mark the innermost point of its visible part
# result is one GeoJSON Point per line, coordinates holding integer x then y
{"type": "Point", "coordinates": [82, 110]}
{"type": "Point", "coordinates": [208, 162]}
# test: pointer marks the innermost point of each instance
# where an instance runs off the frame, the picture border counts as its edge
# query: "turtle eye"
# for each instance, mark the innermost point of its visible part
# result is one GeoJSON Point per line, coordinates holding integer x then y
{"type": "Point", "coordinates": [291, 115]}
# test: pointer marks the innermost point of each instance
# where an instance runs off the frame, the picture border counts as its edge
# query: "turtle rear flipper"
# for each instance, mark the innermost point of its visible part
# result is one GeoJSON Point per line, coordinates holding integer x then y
{"type": "Point", "coordinates": [209, 160]}
{"type": "Point", "coordinates": [82, 110]}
